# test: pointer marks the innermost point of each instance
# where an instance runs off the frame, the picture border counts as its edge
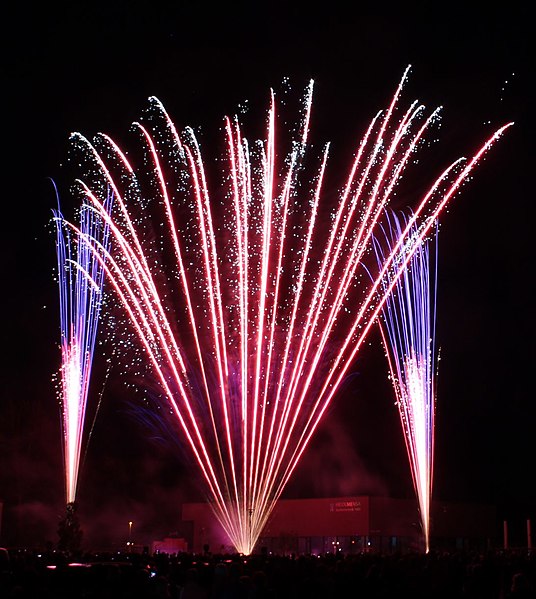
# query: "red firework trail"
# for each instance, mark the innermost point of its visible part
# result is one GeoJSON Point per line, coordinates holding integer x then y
{"type": "Point", "coordinates": [250, 297]}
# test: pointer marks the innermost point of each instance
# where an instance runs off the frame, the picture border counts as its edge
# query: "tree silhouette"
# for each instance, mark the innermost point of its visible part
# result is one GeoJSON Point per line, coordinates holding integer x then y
{"type": "Point", "coordinates": [69, 531]}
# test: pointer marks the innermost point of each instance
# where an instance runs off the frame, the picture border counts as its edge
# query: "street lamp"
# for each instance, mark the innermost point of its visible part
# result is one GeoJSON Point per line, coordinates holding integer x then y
{"type": "Point", "coordinates": [250, 514]}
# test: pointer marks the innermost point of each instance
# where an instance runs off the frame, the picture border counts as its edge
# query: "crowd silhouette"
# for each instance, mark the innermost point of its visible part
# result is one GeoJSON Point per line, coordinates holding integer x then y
{"type": "Point", "coordinates": [435, 575]}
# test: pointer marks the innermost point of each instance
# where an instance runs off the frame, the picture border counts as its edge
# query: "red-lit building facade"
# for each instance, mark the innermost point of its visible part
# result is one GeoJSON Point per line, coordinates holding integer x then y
{"type": "Point", "coordinates": [350, 525]}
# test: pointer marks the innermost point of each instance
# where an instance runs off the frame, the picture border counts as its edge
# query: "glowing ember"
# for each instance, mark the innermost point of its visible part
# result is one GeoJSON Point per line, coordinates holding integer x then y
{"type": "Point", "coordinates": [250, 298]}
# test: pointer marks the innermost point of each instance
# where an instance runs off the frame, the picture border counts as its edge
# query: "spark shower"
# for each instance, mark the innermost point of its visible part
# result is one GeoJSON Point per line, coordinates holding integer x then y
{"type": "Point", "coordinates": [244, 282]}
{"type": "Point", "coordinates": [408, 334]}
{"type": "Point", "coordinates": [80, 282]}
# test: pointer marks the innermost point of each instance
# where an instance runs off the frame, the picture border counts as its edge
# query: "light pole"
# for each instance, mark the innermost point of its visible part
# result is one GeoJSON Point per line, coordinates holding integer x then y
{"type": "Point", "coordinates": [130, 536]}
{"type": "Point", "coordinates": [250, 514]}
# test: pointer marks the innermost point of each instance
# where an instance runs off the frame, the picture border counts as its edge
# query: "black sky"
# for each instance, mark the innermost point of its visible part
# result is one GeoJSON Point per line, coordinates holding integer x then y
{"type": "Point", "coordinates": [91, 67]}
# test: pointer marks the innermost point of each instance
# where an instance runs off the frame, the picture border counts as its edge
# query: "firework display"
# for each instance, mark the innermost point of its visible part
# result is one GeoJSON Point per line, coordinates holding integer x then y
{"type": "Point", "coordinates": [408, 334]}
{"type": "Point", "coordinates": [80, 280]}
{"type": "Point", "coordinates": [246, 287]}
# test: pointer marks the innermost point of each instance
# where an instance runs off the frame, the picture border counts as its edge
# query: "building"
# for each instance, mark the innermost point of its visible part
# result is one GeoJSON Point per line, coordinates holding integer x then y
{"type": "Point", "coordinates": [350, 525]}
{"type": "Point", "coordinates": [170, 545]}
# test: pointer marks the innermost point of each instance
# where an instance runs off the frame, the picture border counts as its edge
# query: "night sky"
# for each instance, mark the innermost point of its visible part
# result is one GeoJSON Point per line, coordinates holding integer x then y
{"type": "Point", "coordinates": [91, 68]}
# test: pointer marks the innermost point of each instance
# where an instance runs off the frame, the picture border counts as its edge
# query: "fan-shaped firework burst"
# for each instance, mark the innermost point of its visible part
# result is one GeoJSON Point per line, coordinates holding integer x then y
{"type": "Point", "coordinates": [409, 338]}
{"type": "Point", "coordinates": [80, 279]}
{"type": "Point", "coordinates": [248, 296]}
